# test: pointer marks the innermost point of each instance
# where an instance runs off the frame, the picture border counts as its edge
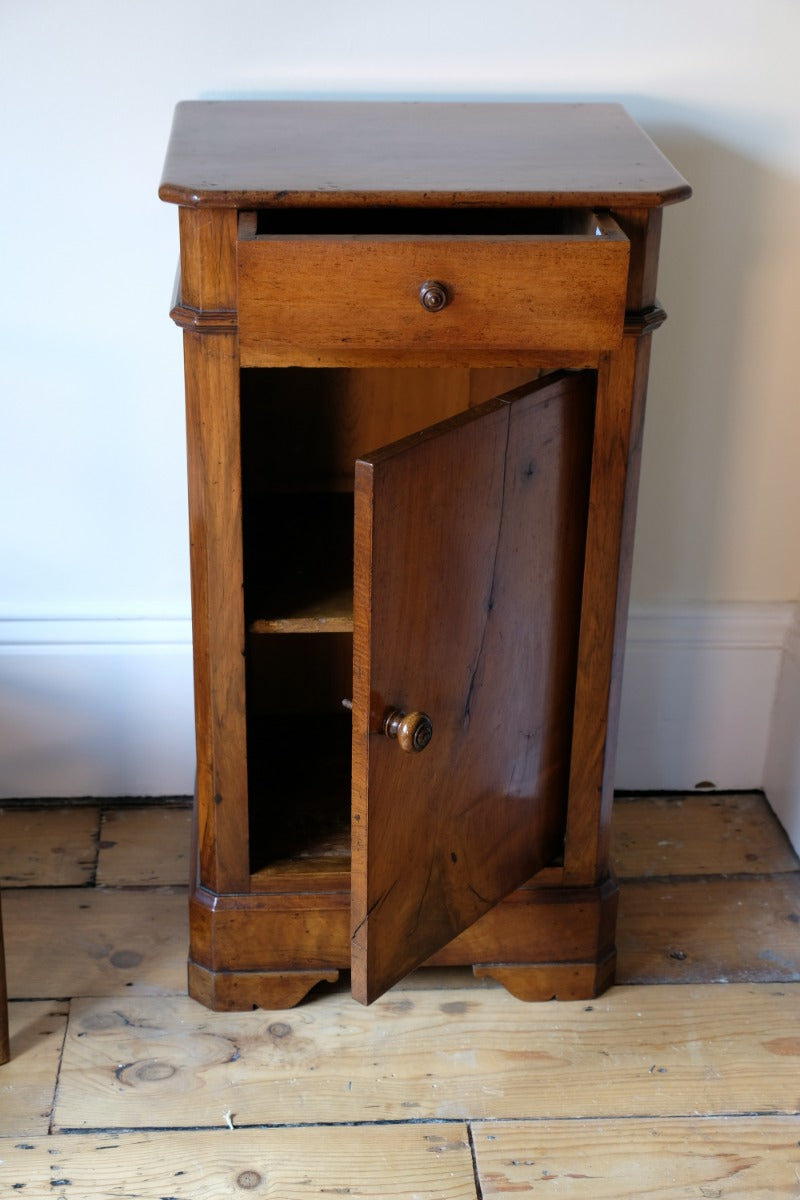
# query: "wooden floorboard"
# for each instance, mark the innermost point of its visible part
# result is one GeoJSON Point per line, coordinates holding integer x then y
{"type": "Point", "coordinates": [466, 1055]}
{"type": "Point", "coordinates": [745, 1158]}
{"type": "Point", "coordinates": [427, 1162]}
{"type": "Point", "coordinates": [48, 847]}
{"type": "Point", "coordinates": [144, 847]}
{"type": "Point", "coordinates": [68, 942]}
{"type": "Point", "coordinates": [674, 1084]}
{"type": "Point", "coordinates": [28, 1080]}
{"type": "Point", "coordinates": [698, 835]}
{"type": "Point", "coordinates": [711, 930]}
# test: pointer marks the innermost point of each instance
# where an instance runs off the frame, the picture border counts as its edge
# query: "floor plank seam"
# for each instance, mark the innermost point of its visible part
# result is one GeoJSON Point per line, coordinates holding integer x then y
{"type": "Point", "coordinates": [48, 803]}
{"type": "Point", "coordinates": [40, 999]}
{"type": "Point", "coordinates": [476, 1174]}
{"type": "Point", "coordinates": [447, 1122]}
{"type": "Point", "coordinates": [677, 1117]}
{"type": "Point", "coordinates": [644, 981]}
{"type": "Point", "coordinates": [625, 795]}
{"type": "Point", "coordinates": [57, 1079]}
{"type": "Point", "coordinates": [123, 888]}
{"type": "Point", "coordinates": [96, 839]}
{"type": "Point", "coordinates": [255, 1126]}
{"type": "Point", "coordinates": [705, 877]}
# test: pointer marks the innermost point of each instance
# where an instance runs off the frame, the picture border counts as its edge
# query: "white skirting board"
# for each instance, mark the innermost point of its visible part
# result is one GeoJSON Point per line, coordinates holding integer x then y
{"type": "Point", "coordinates": [96, 708]}
{"type": "Point", "coordinates": [711, 696]}
{"type": "Point", "coordinates": [697, 697]}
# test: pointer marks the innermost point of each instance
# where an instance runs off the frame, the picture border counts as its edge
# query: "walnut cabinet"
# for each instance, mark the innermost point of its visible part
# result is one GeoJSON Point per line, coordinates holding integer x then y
{"type": "Point", "coordinates": [416, 343]}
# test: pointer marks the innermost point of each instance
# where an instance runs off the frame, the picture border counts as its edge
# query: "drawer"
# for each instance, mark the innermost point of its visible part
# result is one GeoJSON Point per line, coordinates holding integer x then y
{"type": "Point", "coordinates": [301, 295]}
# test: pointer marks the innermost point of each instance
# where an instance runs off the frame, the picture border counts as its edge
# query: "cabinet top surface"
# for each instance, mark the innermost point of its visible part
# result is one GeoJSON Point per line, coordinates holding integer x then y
{"type": "Point", "coordinates": [256, 153]}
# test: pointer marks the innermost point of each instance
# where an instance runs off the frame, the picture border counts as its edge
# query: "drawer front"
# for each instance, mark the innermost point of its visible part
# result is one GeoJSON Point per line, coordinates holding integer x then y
{"type": "Point", "coordinates": [301, 293]}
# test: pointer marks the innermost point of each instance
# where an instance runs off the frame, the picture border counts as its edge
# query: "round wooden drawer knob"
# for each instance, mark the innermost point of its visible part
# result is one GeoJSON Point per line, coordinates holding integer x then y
{"type": "Point", "coordinates": [433, 296]}
{"type": "Point", "coordinates": [413, 731]}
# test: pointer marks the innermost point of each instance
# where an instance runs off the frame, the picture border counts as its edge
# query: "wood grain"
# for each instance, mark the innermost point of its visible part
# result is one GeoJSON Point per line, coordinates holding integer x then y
{"type": "Point", "coordinates": [329, 417]}
{"type": "Point", "coordinates": [454, 358]}
{"type": "Point", "coordinates": [548, 928]}
{"type": "Point", "coordinates": [306, 232]}
{"type": "Point", "coordinates": [77, 941]}
{"type": "Point", "coordinates": [428, 1162]}
{"type": "Point", "coordinates": [753, 1159]}
{"type": "Point", "coordinates": [619, 413]}
{"type": "Point", "coordinates": [483, 638]}
{"type": "Point", "coordinates": [553, 981]}
{"type": "Point", "coordinates": [475, 1054]}
{"type": "Point", "coordinates": [48, 847]}
{"type": "Point", "coordinates": [664, 1091]}
{"type": "Point", "coordinates": [331, 613]}
{"type": "Point", "coordinates": [714, 930]}
{"type": "Point", "coordinates": [208, 263]}
{"type": "Point", "coordinates": [299, 296]}
{"type": "Point", "coordinates": [211, 370]}
{"type": "Point", "coordinates": [642, 227]}
{"type": "Point", "coordinates": [240, 991]}
{"type": "Point", "coordinates": [215, 516]}
{"type": "Point", "coordinates": [144, 847]}
{"type": "Point", "coordinates": [698, 835]}
{"type": "Point", "coordinates": [252, 154]}
{"type": "Point", "coordinates": [28, 1080]}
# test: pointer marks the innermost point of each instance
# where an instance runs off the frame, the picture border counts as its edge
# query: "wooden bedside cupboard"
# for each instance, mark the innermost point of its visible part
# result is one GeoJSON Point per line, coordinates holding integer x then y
{"type": "Point", "coordinates": [416, 345]}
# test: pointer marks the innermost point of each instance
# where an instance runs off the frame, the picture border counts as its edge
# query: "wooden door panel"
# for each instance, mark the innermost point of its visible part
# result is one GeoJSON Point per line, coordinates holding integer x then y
{"type": "Point", "coordinates": [469, 552]}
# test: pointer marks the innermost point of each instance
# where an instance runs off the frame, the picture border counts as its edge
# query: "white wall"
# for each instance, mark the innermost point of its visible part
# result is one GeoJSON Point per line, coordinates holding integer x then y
{"type": "Point", "coordinates": [92, 521]}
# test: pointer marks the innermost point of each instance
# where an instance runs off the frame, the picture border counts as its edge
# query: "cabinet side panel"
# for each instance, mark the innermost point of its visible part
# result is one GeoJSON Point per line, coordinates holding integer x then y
{"type": "Point", "coordinates": [208, 284]}
{"type": "Point", "coordinates": [622, 389]}
{"type": "Point", "coordinates": [217, 609]}
{"type": "Point", "coordinates": [604, 611]}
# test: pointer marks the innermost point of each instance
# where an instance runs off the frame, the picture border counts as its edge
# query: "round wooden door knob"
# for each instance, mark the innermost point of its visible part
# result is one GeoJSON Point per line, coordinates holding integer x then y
{"type": "Point", "coordinates": [413, 731]}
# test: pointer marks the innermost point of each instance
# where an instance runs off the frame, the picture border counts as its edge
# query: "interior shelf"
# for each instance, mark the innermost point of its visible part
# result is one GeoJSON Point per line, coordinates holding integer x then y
{"type": "Point", "coordinates": [328, 613]}
{"type": "Point", "coordinates": [299, 564]}
{"type": "Point", "coordinates": [300, 819]}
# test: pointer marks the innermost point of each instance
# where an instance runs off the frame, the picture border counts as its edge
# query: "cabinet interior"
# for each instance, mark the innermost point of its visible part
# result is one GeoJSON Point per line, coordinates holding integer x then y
{"type": "Point", "coordinates": [423, 221]}
{"type": "Point", "coordinates": [302, 431]}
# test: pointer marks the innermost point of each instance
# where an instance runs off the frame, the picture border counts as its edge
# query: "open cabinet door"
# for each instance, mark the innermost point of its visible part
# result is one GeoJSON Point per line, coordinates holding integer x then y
{"type": "Point", "coordinates": [469, 553]}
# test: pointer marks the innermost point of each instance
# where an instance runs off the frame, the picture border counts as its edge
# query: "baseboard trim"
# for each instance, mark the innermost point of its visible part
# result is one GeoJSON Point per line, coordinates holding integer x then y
{"type": "Point", "coordinates": [687, 627]}
{"type": "Point", "coordinates": [103, 706]}
{"type": "Point", "coordinates": [96, 707]}
{"type": "Point", "coordinates": [698, 693]}
{"type": "Point", "coordinates": [70, 635]}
